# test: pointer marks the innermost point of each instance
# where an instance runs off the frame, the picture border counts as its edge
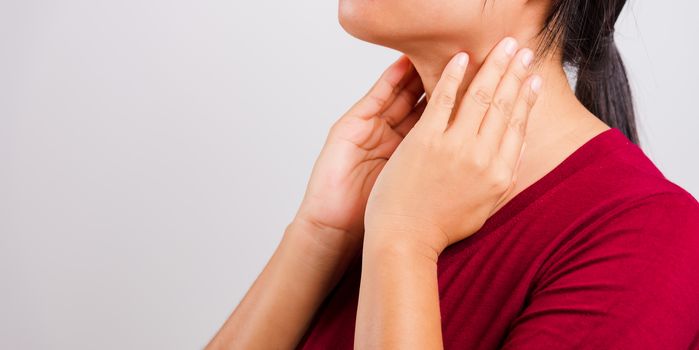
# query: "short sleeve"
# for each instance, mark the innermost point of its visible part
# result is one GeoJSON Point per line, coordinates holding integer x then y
{"type": "Point", "coordinates": [629, 282]}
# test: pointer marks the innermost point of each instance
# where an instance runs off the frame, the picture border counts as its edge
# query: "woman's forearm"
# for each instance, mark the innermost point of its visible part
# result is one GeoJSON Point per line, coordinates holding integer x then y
{"type": "Point", "coordinates": [439, 187]}
{"type": "Point", "coordinates": [328, 228]}
{"type": "Point", "coordinates": [277, 309]}
{"type": "Point", "coordinates": [398, 296]}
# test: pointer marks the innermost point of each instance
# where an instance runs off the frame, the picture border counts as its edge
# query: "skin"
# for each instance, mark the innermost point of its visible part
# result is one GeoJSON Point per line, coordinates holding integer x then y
{"type": "Point", "coordinates": [328, 228]}
{"type": "Point", "coordinates": [386, 176]}
{"type": "Point", "coordinates": [473, 149]}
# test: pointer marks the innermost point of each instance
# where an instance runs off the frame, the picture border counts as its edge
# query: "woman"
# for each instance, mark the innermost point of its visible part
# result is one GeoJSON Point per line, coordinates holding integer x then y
{"type": "Point", "coordinates": [429, 225]}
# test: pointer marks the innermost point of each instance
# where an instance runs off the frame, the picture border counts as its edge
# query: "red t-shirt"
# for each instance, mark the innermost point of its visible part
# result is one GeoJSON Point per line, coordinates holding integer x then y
{"type": "Point", "coordinates": [600, 253]}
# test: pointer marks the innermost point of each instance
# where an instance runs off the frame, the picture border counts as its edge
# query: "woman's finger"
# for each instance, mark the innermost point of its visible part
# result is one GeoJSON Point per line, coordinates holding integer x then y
{"type": "Point", "coordinates": [383, 92]}
{"type": "Point", "coordinates": [511, 144]}
{"type": "Point", "coordinates": [404, 101]}
{"type": "Point", "coordinates": [498, 116]}
{"type": "Point", "coordinates": [479, 95]}
{"type": "Point", "coordinates": [443, 99]}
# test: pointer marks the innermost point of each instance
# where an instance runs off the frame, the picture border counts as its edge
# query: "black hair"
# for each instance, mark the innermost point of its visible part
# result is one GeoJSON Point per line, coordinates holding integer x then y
{"type": "Point", "coordinates": [584, 31]}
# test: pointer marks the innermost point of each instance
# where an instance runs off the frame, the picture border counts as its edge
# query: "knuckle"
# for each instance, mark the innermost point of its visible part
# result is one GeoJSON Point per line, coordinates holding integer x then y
{"type": "Point", "coordinates": [481, 97]}
{"type": "Point", "coordinates": [501, 63]}
{"type": "Point", "coordinates": [453, 77]}
{"type": "Point", "coordinates": [336, 126]}
{"type": "Point", "coordinates": [517, 125]}
{"type": "Point", "coordinates": [332, 130]}
{"type": "Point", "coordinates": [501, 178]}
{"type": "Point", "coordinates": [446, 100]}
{"type": "Point", "coordinates": [503, 105]}
{"type": "Point", "coordinates": [479, 160]}
{"type": "Point", "coordinates": [396, 88]}
{"type": "Point", "coordinates": [378, 101]}
{"type": "Point", "coordinates": [530, 99]}
{"type": "Point", "coordinates": [518, 76]}
{"type": "Point", "coordinates": [389, 87]}
{"type": "Point", "coordinates": [433, 143]}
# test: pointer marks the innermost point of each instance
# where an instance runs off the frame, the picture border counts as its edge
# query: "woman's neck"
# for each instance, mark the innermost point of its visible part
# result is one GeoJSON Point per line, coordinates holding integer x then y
{"type": "Point", "coordinates": [557, 110]}
{"type": "Point", "coordinates": [558, 123]}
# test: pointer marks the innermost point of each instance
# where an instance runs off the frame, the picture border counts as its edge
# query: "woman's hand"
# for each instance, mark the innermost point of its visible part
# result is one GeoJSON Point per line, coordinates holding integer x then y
{"type": "Point", "coordinates": [317, 245]}
{"type": "Point", "coordinates": [448, 174]}
{"type": "Point", "coordinates": [356, 150]}
{"type": "Point", "coordinates": [440, 186]}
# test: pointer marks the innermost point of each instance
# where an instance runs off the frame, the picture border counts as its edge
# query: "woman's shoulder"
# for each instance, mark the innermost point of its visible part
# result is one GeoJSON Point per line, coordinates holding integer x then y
{"type": "Point", "coordinates": [632, 267]}
{"type": "Point", "coordinates": [633, 200]}
{"type": "Point", "coordinates": [620, 248]}
{"type": "Point", "coordinates": [617, 190]}
{"type": "Point", "coordinates": [624, 169]}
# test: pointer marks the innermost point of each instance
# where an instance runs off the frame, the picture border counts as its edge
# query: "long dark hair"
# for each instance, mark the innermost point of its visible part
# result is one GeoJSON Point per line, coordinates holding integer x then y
{"type": "Point", "coordinates": [584, 29]}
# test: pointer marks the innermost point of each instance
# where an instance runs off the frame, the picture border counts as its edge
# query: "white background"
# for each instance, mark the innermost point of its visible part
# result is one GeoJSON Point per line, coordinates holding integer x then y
{"type": "Point", "coordinates": [152, 151]}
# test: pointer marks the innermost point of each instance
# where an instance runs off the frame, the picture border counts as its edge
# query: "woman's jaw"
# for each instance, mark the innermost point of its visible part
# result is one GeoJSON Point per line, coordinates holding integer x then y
{"type": "Point", "coordinates": [557, 109]}
{"type": "Point", "coordinates": [431, 32]}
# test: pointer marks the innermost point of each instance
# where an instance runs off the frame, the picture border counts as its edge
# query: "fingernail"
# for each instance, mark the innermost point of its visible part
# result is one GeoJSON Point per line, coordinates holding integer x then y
{"type": "Point", "coordinates": [536, 84]}
{"type": "Point", "coordinates": [461, 59]}
{"type": "Point", "coordinates": [527, 58]}
{"type": "Point", "coordinates": [510, 46]}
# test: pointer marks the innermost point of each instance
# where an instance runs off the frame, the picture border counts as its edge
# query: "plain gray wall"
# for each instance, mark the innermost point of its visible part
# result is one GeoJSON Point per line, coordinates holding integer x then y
{"type": "Point", "coordinates": [153, 151]}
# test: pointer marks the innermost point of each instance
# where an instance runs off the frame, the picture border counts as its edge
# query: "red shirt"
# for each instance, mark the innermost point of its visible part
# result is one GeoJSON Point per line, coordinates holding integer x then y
{"type": "Point", "coordinates": [600, 253]}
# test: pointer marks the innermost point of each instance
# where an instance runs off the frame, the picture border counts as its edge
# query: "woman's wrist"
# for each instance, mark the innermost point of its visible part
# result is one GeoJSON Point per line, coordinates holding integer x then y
{"type": "Point", "coordinates": [321, 244]}
{"type": "Point", "coordinates": [380, 245]}
{"type": "Point", "coordinates": [405, 236]}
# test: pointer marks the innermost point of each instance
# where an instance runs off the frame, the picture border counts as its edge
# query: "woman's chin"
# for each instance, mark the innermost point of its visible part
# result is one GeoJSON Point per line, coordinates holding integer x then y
{"type": "Point", "coordinates": [367, 32]}
{"type": "Point", "coordinates": [355, 27]}
{"type": "Point", "coordinates": [358, 22]}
